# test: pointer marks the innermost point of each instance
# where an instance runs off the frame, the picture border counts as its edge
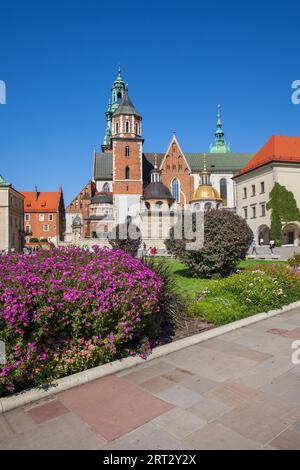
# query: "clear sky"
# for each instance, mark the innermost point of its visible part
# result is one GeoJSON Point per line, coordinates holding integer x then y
{"type": "Point", "coordinates": [179, 58]}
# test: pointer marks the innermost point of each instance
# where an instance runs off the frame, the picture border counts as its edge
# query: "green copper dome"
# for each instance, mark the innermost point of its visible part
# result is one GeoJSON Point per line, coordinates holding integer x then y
{"type": "Point", "coordinates": [4, 183]}
{"type": "Point", "coordinates": [117, 95]}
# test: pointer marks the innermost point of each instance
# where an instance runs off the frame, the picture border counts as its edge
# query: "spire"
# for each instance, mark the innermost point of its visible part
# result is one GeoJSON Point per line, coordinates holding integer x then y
{"type": "Point", "coordinates": [204, 173]}
{"type": "Point", "coordinates": [119, 73]}
{"type": "Point", "coordinates": [126, 107]}
{"type": "Point", "coordinates": [219, 146]}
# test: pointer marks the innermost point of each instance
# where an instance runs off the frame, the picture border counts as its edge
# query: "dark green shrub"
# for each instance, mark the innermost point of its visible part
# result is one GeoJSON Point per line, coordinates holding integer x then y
{"type": "Point", "coordinates": [226, 241]}
{"type": "Point", "coordinates": [131, 243]}
{"type": "Point", "coordinates": [33, 240]}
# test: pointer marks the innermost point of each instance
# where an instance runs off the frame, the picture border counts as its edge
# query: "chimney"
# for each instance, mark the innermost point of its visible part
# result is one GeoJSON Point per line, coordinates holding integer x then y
{"type": "Point", "coordinates": [36, 192]}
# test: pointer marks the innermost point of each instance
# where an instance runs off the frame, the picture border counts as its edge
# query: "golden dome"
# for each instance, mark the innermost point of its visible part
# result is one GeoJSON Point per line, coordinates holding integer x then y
{"type": "Point", "coordinates": [206, 192]}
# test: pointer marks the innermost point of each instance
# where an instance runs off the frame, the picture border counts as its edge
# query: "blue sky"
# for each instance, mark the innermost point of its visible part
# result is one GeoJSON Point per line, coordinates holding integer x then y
{"type": "Point", "coordinates": [180, 59]}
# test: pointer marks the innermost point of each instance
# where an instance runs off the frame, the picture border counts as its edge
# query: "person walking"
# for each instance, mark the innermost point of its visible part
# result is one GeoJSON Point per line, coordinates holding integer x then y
{"type": "Point", "coordinates": [253, 246]}
{"type": "Point", "coordinates": [272, 246]}
{"type": "Point", "coordinates": [261, 241]}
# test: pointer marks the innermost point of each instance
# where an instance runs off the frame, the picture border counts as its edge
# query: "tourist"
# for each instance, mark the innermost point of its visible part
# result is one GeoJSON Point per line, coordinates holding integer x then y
{"type": "Point", "coordinates": [153, 250]}
{"type": "Point", "coordinates": [253, 246]}
{"type": "Point", "coordinates": [272, 246]}
{"type": "Point", "coordinates": [261, 241]}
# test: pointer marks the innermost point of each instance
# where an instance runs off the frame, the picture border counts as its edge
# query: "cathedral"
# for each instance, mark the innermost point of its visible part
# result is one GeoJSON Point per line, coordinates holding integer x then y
{"type": "Point", "coordinates": [148, 188]}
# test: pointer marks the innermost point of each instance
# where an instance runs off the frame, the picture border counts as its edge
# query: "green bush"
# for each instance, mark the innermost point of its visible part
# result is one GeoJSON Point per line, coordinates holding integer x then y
{"type": "Point", "coordinates": [226, 241]}
{"type": "Point", "coordinates": [294, 261]}
{"type": "Point", "coordinates": [33, 240]}
{"type": "Point", "coordinates": [246, 293]}
{"type": "Point", "coordinates": [131, 243]}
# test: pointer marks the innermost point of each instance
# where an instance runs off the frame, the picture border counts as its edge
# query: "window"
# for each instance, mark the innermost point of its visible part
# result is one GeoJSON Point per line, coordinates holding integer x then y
{"type": "Point", "coordinates": [179, 167]}
{"type": "Point", "coordinates": [262, 187]}
{"type": "Point", "coordinates": [263, 210]}
{"type": "Point", "coordinates": [117, 128]}
{"type": "Point", "coordinates": [127, 151]}
{"type": "Point", "coordinates": [245, 193]}
{"type": "Point", "coordinates": [46, 228]}
{"type": "Point", "coordinates": [223, 190]}
{"type": "Point", "coordinates": [50, 217]}
{"type": "Point", "coordinates": [27, 217]}
{"type": "Point", "coordinates": [105, 188]}
{"type": "Point", "coordinates": [207, 206]}
{"type": "Point", "coordinates": [253, 190]}
{"type": "Point", "coordinates": [158, 204]}
{"type": "Point", "coordinates": [253, 212]}
{"type": "Point", "coordinates": [245, 213]}
{"type": "Point", "coordinates": [136, 128]}
{"type": "Point", "coordinates": [127, 127]}
{"type": "Point", "coordinates": [27, 229]}
{"type": "Point", "coordinates": [41, 217]}
{"type": "Point", "coordinates": [175, 189]}
{"type": "Point", "coordinates": [127, 173]}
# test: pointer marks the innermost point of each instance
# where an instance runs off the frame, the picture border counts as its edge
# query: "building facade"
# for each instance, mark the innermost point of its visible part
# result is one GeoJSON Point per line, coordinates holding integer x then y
{"type": "Point", "coordinates": [278, 161]}
{"type": "Point", "coordinates": [122, 172]}
{"type": "Point", "coordinates": [44, 216]}
{"type": "Point", "coordinates": [11, 218]}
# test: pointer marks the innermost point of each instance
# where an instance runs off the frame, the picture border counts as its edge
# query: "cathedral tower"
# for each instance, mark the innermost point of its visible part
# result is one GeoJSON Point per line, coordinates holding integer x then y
{"type": "Point", "coordinates": [219, 146]}
{"type": "Point", "coordinates": [127, 143]}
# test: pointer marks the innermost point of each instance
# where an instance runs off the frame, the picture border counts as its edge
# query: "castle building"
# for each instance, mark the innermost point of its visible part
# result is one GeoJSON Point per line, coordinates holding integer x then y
{"type": "Point", "coordinates": [11, 217]}
{"type": "Point", "coordinates": [127, 182]}
{"type": "Point", "coordinates": [44, 215]}
{"type": "Point", "coordinates": [278, 161]}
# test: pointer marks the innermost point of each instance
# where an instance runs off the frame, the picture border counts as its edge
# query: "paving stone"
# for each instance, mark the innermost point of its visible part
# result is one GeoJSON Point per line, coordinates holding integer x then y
{"type": "Point", "coordinates": [215, 436]}
{"type": "Point", "coordinates": [215, 365]}
{"type": "Point", "coordinates": [261, 418]}
{"type": "Point", "coordinates": [113, 406]}
{"type": "Point", "coordinates": [264, 372]}
{"type": "Point", "coordinates": [47, 411]}
{"type": "Point", "coordinates": [19, 420]}
{"type": "Point", "coordinates": [286, 386]}
{"type": "Point", "coordinates": [5, 429]}
{"type": "Point", "coordinates": [180, 396]}
{"type": "Point", "coordinates": [147, 437]}
{"type": "Point", "coordinates": [288, 440]}
{"type": "Point", "coordinates": [65, 432]}
{"type": "Point", "coordinates": [156, 384]}
{"type": "Point", "coordinates": [235, 349]}
{"type": "Point", "coordinates": [208, 409]}
{"type": "Point", "coordinates": [266, 342]}
{"type": "Point", "coordinates": [178, 375]}
{"type": "Point", "coordinates": [296, 426]}
{"type": "Point", "coordinates": [230, 393]}
{"type": "Point", "coordinates": [200, 384]}
{"type": "Point", "coordinates": [179, 423]}
{"type": "Point", "coordinates": [147, 371]}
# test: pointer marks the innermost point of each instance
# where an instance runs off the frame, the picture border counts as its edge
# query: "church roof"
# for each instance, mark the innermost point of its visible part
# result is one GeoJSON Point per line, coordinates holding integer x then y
{"type": "Point", "coordinates": [102, 198]}
{"type": "Point", "coordinates": [215, 162]}
{"type": "Point", "coordinates": [126, 107]}
{"type": "Point", "coordinates": [279, 148]}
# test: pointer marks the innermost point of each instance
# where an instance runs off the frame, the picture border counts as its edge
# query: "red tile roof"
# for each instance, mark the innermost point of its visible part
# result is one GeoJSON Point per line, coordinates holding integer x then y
{"type": "Point", "coordinates": [279, 148]}
{"type": "Point", "coordinates": [41, 201]}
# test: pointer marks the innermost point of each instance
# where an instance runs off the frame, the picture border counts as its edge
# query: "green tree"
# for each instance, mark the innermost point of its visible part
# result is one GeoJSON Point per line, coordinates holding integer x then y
{"type": "Point", "coordinates": [283, 207]}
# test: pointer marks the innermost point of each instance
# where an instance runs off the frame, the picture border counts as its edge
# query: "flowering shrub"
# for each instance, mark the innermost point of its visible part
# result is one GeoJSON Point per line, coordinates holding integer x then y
{"type": "Point", "coordinates": [247, 293]}
{"type": "Point", "coordinates": [68, 309]}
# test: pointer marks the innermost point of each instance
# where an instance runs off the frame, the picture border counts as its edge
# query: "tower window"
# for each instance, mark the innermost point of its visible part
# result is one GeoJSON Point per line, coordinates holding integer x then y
{"type": "Point", "coordinates": [105, 188]}
{"type": "Point", "coordinates": [127, 127]}
{"type": "Point", "coordinates": [136, 128]}
{"type": "Point", "coordinates": [127, 173]}
{"type": "Point", "coordinates": [119, 96]}
{"type": "Point", "coordinates": [127, 151]}
{"type": "Point", "coordinates": [117, 128]}
{"type": "Point", "coordinates": [175, 189]}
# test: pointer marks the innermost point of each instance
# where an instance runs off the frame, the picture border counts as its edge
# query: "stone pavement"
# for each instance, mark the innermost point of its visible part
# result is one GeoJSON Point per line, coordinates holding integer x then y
{"type": "Point", "coordinates": [238, 391]}
{"type": "Point", "coordinates": [283, 253]}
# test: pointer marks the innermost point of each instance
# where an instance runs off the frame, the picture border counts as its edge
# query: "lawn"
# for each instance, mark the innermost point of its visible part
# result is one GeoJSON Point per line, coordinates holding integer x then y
{"type": "Point", "coordinates": [190, 286]}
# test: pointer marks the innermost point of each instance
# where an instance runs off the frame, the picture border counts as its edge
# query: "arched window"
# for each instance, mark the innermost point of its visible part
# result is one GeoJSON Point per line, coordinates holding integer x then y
{"type": "Point", "coordinates": [119, 96]}
{"type": "Point", "coordinates": [175, 189]}
{"type": "Point", "coordinates": [136, 128]}
{"type": "Point", "coordinates": [127, 151]}
{"type": "Point", "coordinates": [223, 190]}
{"type": "Point", "coordinates": [117, 128]}
{"type": "Point", "coordinates": [105, 188]}
{"type": "Point", "coordinates": [207, 206]}
{"type": "Point", "coordinates": [127, 173]}
{"type": "Point", "coordinates": [127, 127]}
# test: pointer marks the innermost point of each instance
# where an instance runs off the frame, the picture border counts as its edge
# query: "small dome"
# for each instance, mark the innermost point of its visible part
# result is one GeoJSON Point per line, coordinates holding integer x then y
{"type": "Point", "coordinates": [206, 192]}
{"type": "Point", "coordinates": [157, 191]}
